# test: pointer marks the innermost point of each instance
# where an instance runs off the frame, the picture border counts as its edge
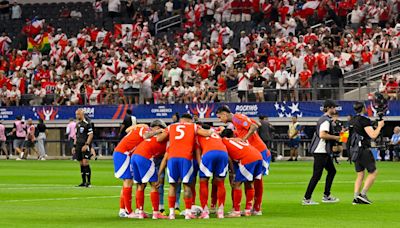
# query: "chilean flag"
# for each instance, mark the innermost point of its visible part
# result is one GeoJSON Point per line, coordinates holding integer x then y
{"type": "Point", "coordinates": [308, 9]}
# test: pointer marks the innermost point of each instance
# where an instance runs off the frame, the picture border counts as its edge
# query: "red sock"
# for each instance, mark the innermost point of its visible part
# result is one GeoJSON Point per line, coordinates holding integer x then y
{"type": "Point", "coordinates": [155, 200]}
{"type": "Point", "coordinates": [121, 200]}
{"type": "Point", "coordinates": [188, 203]}
{"type": "Point", "coordinates": [127, 192]}
{"type": "Point", "coordinates": [237, 198]}
{"type": "Point", "coordinates": [171, 201]}
{"type": "Point", "coordinates": [221, 193]}
{"type": "Point", "coordinates": [140, 199]}
{"type": "Point", "coordinates": [249, 198]}
{"type": "Point", "coordinates": [203, 193]}
{"type": "Point", "coordinates": [214, 197]}
{"type": "Point", "coordinates": [193, 188]}
{"type": "Point", "coordinates": [258, 196]}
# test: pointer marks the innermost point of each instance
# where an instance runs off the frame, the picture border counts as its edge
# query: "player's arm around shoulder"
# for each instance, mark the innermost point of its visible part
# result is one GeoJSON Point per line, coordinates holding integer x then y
{"type": "Point", "coordinates": [162, 136]}
{"type": "Point", "coordinates": [134, 127]}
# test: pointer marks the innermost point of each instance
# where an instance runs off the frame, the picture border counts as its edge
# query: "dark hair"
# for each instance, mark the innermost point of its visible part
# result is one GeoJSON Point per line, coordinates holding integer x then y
{"type": "Point", "coordinates": [129, 112]}
{"type": "Point", "coordinates": [223, 108]}
{"type": "Point", "coordinates": [358, 107]}
{"type": "Point", "coordinates": [205, 126]}
{"type": "Point", "coordinates": [19, 118]}
{"type": "Point", "coordinates": [176, 115]}
{"type": "Point", "coordinates": [40, 120]}
{"type": "Point", "coordinates": [187, 116]}
{"type": "Point", "coordinates": [228, 133]}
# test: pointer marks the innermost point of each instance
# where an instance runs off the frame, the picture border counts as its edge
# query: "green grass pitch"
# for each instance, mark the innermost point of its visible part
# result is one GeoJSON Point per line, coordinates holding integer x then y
{"type": "Point", "coordinates": [42, 194]}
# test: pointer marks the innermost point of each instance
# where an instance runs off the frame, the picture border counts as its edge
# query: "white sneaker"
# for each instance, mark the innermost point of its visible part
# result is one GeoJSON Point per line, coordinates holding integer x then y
{"type": "Point", "coordinates": [205, 215]}
{"type": "Point", "coordinates": [256, 213]}
{"type": "Point", "coordinates": [189, 216]}
{"type": "Point", "coordinates": [308, 202]}
{"type": "Point", "coordinates": [220, 214]}
{"type": "Point", "coordinates": [42, 159]}
{"type": "Point", "coordinates": [18, 159]}
{"type": "Point", "coordinates": [330, 199]}
{"type": "Point", "coordinates": [133, 215]}
{"type": "Point", "coordinates": [122, 213]}
{"type": "Point", "coordinates": [171, 217]}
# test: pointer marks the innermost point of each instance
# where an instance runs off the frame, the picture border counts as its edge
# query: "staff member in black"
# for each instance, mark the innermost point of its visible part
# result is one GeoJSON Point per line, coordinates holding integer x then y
{"type": "Point", "coordinates": [363, 127]}
{"type": "Point", "coordinates": [82, 144]}
{"type": "Point", "coordinates": [321, 147]}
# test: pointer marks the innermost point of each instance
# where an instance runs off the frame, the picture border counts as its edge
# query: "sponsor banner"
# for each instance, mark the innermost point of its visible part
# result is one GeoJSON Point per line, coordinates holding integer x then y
{"type": "Point", "coordinates": [113, 112]}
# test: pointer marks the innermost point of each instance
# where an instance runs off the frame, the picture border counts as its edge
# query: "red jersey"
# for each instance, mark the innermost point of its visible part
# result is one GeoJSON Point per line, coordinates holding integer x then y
{"type": "Point", "coordinates": [181, 140]}
{"type": "Point", "coordinates": [222, 86]}
{"type": "Point", "coordinates": [241, 151]}
{"type": "Point", "coordinates": [242, 125]}
{"type": "Point", "coordinates": [366, 57]}
{"type": "Point", "coordinates": [310, 61]}
{"type": "Point", "coordinates": [131, 140]}
{"type": "Point", "coordinates": [272, 63]}
{"type": "Point", "coordinates": [150, 148]}
{"type": "Point", "coordinates": [304, 77]}
{"type": "Point", "coordinates": [213, 143]}
{"type": "Point", "coordinates": [322, 62]}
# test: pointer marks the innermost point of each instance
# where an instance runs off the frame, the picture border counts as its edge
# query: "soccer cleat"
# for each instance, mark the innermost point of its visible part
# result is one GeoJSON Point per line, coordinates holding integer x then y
{"type": "Point", "coordinates": [247, 213]}
{"type": "Point", "coordinates": [179, 212]}
{"type": "Point", "coordinates": [364, 199]}
{"type": "Point", "coordinates": [205, 215]}
{"type": "Point", "coordinates": [171, 217]}
{"type": "Point", "coordinates": [234, 214]}
{"type": "Point", "coordinates": [256, 213]}
{"type": "Point", "coordinates": [308, 202]}
{"type": "Point", "coordinates": [330, 199]}
{"type": "Point", "coordinates": [189, 216]}
{"type": "Point", "coordinates": [122, 213]}
{"type": "Point", "coordinates": [220, 214]}
{"type": "Point", "coordinates": [140, 215]}
{"type": "Point", "coordinates": [133, 215]}
{"type": "Point", "coordinates": [81, 185]}
{"type": "Point", "coordinates": [213, 210]}
{"type": "Point", "coordinates": [158, 215]}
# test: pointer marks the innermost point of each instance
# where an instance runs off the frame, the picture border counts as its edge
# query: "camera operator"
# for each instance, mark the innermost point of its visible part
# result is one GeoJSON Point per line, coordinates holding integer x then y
{"type": "Point", "coordinates": [363, 127]}
{"type": "Point", "coordinates": [321, 147]}
{"type": "Point", "coordinates": [338, 127]}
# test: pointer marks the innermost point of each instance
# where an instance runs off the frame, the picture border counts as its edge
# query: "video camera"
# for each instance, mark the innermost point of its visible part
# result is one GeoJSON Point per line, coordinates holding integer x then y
{"type": "Point", "coordinates": [380, 104]}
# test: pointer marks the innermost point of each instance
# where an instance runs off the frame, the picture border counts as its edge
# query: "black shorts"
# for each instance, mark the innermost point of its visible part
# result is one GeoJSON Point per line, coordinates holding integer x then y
{"type": "Point", "coordinates": [80, 155]}
{"type": "Point", "coordinates": [366, 161]}
{"type": "Point", "coordinates": [29, 144]}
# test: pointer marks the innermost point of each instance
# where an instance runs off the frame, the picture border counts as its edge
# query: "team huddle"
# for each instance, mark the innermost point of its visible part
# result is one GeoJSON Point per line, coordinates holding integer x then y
{"type": "Point", "coordinates": [188, 150]}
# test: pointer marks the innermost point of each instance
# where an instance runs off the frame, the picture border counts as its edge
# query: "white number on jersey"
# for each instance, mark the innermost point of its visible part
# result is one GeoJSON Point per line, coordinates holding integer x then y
{"type": "Point", "coordinates": [181, 132]}
{"type": "Point", "coordinates": [238, 144]}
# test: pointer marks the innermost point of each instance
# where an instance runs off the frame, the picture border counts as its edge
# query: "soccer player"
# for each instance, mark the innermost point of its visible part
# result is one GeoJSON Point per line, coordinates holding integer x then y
{"type": "Point", "coordinates": [178, 159]}
{"type": "Point", "coordinates": [248, 167]}
{"type": "Point", "coordinates": [213, 159]}
{"type": "Point", "coordinates": [122, 160]}
{"type": "Point", "coordinates": [246, 129]}
{"type": "Point", "coordinates": [144, 170]}
{"type": "Point", "coordinates": [82, 144]}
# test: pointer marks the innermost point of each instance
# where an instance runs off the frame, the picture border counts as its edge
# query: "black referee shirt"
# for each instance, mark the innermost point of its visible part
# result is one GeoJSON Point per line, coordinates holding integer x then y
{"type": "Point", "coordinates": [83, 130]}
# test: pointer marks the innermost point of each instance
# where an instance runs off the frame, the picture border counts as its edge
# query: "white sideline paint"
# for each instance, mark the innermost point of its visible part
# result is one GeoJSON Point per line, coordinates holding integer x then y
{"type": "Point", "coordinates": [59, 199]}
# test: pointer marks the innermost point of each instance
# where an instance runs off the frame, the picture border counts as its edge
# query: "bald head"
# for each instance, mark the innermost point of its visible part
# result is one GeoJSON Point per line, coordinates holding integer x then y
{"type": "Point", "coordinates": [80, 114]}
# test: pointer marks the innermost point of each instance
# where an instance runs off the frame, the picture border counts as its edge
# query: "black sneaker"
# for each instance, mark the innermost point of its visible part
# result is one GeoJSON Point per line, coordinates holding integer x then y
{"type": "Point", "coordinates": [364, 199]}
{"type": "Point", "coordinates": [356, 201]}
{"type": "Point", "coordinates": [81, 185]}
{"type": "Point", "coordinates": [291, 159]}
{"type": "Point", "coordinates": [88, 185]}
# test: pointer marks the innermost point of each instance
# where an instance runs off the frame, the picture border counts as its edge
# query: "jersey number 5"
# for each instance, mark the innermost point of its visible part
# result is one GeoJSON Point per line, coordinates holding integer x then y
{"type": "Point", "coordinates": [179, 129]}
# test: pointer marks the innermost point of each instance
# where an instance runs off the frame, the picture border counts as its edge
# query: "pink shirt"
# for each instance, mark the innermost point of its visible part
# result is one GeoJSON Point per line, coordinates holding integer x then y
{"type": "Point", "coordinates": [71, 130]}
{"type": "Point", "coordinates": [2, 133]}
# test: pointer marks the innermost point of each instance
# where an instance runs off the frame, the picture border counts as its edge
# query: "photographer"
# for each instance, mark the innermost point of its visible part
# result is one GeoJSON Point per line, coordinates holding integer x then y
{"type": "Point", "coordinates": [337, 127]}
{"type": "Point", "coordinates": [321, 147]}
{"type": "Point", "coordinates": [363, 160]}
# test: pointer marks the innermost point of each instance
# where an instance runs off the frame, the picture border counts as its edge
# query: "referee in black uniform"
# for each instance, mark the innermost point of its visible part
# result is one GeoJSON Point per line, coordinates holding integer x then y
{"type": "Point", "coordinates": [82, 146]}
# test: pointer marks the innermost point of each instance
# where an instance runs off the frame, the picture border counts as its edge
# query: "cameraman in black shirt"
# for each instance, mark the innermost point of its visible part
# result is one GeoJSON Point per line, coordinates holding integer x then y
{"type": "Point", "coordinates": [82, 146]}
{"type": "Point", "coordinates": [366, 161]}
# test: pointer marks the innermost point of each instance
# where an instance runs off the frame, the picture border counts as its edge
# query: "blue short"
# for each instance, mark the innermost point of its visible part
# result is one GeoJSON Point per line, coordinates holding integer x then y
{"type": "Point", "coordinates": [122, 162]}
{"type": "Point", "coordinates": [180, 169]}
{"type": "Point", "coordinates": [294, 143]}
{"type": "Point", "coordinates": [144, 170]}
{"type": "Point", "coordinates": [214, 163]}
{"type": "Point", "coordinates": [248, 172]}
{"type": "Point", "coordinates": [266, 161]}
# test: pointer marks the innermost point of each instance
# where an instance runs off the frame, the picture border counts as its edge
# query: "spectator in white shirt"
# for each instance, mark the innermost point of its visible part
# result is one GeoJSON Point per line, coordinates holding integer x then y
{"type": "Point", "coordinates": [5, 96]}
{"type": "Point", "coordinates": [15, 96]}
{"type": "Point", "coordinates": [281, 77]}
{"type": "Point", "coordinates": [243, 84]}
{"type": "Point", "coordinates": [174, 74]}
{"type": "Point", "coordinates": [114, 8]}
{"type": "Point", "coordinates": [356, 16]}
{"type": "Point", "coordinates": [244, 40]}
{"type": "Point", "coordinates": [16, 11]}
{"type": "Point", "coordinates": [169, 8]}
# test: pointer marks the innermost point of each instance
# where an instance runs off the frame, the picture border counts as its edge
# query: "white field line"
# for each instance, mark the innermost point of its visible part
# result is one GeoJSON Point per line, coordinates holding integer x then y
{"type": "Point", "coordinates": [59, 199]}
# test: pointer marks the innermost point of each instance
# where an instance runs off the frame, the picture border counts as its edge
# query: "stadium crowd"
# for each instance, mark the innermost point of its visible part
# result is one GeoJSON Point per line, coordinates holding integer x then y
{"type": "Point", "coordinates": [282, 52]}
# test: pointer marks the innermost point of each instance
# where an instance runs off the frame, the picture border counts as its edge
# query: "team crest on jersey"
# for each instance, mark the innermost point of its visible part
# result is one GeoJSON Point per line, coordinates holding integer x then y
{"type": "Point", "coordinates": [81, 129]}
